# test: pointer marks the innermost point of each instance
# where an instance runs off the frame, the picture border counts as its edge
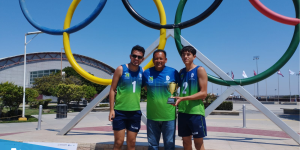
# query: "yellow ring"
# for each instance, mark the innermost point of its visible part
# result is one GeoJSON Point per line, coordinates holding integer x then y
{"type": "Point", "coordinates": [163, 31]}
{"type": "Point", "coordinates": [81, 71]}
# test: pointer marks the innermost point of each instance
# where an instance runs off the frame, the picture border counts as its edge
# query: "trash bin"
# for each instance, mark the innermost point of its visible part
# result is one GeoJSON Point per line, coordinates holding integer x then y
{"type": "Point", "coordinates": [61, 111]}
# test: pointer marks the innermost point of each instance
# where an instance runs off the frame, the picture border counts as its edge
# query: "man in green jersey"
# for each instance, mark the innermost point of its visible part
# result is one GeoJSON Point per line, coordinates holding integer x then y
{"type": "Point", "coordinates": [160, 115]}
{"type": "Point", "coordinates": [126, 112]}
{"type": "Point", "coordinates": [193, 90]}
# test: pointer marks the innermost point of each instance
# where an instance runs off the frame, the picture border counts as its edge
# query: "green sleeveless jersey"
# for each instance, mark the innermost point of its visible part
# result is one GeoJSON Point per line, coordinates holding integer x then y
{"type": "Point", "coordinates": [189, 86]}
{"type": "Point", "coordinates": [129, 90]}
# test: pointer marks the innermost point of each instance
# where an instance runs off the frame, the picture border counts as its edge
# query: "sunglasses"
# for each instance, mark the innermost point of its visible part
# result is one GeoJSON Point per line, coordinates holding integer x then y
{"type": "Point", "coordinates": [136, 56]}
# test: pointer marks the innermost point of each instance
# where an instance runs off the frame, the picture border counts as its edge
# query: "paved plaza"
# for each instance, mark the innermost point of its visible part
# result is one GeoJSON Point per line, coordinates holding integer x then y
{"type": "Point", "coordinates": [224, 132]}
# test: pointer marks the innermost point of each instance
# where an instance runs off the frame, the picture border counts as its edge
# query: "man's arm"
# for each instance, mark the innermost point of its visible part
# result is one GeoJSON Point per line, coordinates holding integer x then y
{"type": "Point", "coordinates": [115, 80]}
{"type": "Point", "coordinates": [202, 81]}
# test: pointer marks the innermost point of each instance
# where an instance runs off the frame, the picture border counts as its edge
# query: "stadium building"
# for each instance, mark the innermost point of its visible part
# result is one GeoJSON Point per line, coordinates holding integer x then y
{"type": "Point", "coordinates": [44, 63]}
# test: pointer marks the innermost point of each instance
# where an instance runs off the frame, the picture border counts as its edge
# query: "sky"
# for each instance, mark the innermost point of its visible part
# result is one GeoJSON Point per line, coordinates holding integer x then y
{"type": "Point", "coordinates": [230, 37]}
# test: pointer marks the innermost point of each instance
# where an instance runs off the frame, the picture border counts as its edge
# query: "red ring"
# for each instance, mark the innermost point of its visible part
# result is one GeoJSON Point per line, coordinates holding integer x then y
{"type": "Point", "coordinates": [273, 15]}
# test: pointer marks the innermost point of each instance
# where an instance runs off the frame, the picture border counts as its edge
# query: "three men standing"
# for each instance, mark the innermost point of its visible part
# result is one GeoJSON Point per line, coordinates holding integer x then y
{"type": "Point", "coordinates": [161, 117]}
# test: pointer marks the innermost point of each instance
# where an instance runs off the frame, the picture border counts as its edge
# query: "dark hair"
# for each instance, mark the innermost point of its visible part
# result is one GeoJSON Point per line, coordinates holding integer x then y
{"type": "Point", "coordinates": [188, 49]}
{"type": "Point", "coordinates": [159, 50]}
{"type": "Point", "coordinates": [138, 48]}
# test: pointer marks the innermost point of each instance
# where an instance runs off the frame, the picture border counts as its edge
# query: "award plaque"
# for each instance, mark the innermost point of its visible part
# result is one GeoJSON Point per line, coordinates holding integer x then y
{"type": "Point", "coordinates": [172, 89]}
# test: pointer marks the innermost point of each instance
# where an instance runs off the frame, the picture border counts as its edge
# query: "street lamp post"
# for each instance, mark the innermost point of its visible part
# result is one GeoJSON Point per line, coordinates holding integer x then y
{"type": "Point", "coordinates": [61, 61]}
{"type": "Point", "coordinates": [275, 95]}
{"type": "Point", "coordinates": [256, 58]}
{"type": "Point", "coordinates": [298, 84]}
{"type": "Point", "coordinates": [24, 85]}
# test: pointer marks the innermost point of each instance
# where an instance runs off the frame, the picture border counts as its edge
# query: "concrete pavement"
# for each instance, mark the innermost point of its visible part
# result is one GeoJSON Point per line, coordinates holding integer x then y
{"type": "Point", "coordinates": [224, 132]}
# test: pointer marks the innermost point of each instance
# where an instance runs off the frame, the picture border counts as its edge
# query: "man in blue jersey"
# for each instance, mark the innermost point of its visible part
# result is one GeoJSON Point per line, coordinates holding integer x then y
{"type": "Point", "coordinates": [126, 112]}
{"type": "Point", "coordinates": [160, 115]}
{"type": "Point", "coordinates": [191, 111]}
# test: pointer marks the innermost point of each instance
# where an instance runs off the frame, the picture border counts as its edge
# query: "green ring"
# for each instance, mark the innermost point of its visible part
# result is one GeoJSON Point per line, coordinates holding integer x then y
{"type": "Point", "coordinates": [273, 69]}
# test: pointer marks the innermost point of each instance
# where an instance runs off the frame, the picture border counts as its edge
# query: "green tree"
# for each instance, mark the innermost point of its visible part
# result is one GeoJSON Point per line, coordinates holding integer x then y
{"type": "Point", "coordinates": [46, 85]}
{"type": "Point", "coordinates": [69, 92]}
{"type": "Point", "coordinates": [71, 72]}
{"type": "Point", "coordinates": [90, 91]}
{"type": "Point", "coordinates": [143, 93]}
{"type": "Point", "coordinates": [30, 94]}
{"type": "Point", "coordinates": [12, 95]}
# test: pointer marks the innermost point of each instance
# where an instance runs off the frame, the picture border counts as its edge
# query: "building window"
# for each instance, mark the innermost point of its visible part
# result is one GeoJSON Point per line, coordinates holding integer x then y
{"type": "Point", "coordinates": [41, 73]}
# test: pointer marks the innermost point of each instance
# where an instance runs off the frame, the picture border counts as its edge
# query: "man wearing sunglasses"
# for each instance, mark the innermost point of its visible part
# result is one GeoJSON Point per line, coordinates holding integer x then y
{"type": "Point", "coordinates": [160, 115]}
{"type": "Point", "coordinates": [126, 113]}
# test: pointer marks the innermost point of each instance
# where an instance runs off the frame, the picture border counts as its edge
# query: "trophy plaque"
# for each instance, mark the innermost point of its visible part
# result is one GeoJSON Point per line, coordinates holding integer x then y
{"type": "Point", "coordinates": [172, 87]}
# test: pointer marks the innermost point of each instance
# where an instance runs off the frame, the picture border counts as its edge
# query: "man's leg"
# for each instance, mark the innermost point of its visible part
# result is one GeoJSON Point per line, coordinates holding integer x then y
{"type": "Point", "coordinates": [168, 131]}
{"type": "Point", "coordinates": [133, 125]}
{"type": "Point", "coordinates": [199, 128]}
{"type": "Point", "coordinates": [199, 143]}
{"type": "Point", "coordinates": [187, 142]}
{"type": "Point", "coordinates": [131, 139]}
{"type": "Point", "coordinates": [153, 134]}
{"type": "Point", "coordinates": [119, 129]}
{"type": "Point", "coordinates": [184, 130]}
{"type": "Point", "coordinates": [119, 139]}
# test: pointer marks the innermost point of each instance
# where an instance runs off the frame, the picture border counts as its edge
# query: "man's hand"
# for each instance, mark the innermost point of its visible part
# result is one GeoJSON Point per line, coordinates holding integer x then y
{"type": "Point", "coordinates": [111, 115]}
{"type": "Point", "coordinates": [179, 99]}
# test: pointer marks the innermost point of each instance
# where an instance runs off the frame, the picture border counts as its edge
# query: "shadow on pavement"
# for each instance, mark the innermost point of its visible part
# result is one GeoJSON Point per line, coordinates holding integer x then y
{"type": "Point", "coordinates": [249, 140]}
{"type": "Point", "coordinates": [290, 117]}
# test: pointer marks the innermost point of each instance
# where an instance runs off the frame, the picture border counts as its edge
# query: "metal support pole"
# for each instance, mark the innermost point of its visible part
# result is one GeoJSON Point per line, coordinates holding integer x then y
{"type": "Point", "coordinates": [256, 58]}
{"type": "Point", "coordinates": [244, 116]}
{"type": "Point", "coordinates": [266, 91]}
{"type": "Point", "coordinates": [298, 84]}
{"type": "Point", "coordinates": [24, 84]}
{"type": "Point", "coordinates": [278, 88]}
{"type": "Point", "coordinates": [257, 82]}
{"type": "Point", "coordinates": [61, 61]}
{"type": "Point", "coordinates": [23, 111]}
{"type": "Point", "coordinates": [254, 90]}
{"type": "Point", "coordinates": [40, 117]}
{"type": "Point", "coordinates": [212, 88]}
{"type": "Point", "coordinates": [290, 87]}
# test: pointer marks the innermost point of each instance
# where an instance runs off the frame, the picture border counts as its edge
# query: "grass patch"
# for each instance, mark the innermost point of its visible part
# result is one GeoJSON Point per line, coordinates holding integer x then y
{"type": "Point", "coordinates": [28, 113]}
{"type": "Point", "coordinates": [29, 119]}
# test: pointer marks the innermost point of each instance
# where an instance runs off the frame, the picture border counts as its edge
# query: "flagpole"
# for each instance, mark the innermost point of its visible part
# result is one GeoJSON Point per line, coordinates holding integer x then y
{"type": "Point", "coordinates": [290, 86]}
{"type": "Point", "coordinates": [254, 90]}
{"type": "Point", "coordinates": [212, 88]}
{"type": "Point", "coordinates": [278, 87]}
{"type": "Point", "coordinates": [266, 91]}
{"type": "Point", "coordinates": [298, 84]}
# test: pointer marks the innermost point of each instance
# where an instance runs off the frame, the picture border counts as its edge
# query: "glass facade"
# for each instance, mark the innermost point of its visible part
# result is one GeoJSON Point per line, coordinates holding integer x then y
{"type": "Point", "coordinates": [41, 73]}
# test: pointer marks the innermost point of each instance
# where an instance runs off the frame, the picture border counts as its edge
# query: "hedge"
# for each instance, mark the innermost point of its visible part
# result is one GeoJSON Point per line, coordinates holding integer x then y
{"type": "Point", "coordinates": [222, 106]}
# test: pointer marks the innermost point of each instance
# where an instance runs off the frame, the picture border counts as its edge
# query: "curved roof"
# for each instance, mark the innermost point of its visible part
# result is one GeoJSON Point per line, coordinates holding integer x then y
{"type": "Point", "coordinates": [50, 56]}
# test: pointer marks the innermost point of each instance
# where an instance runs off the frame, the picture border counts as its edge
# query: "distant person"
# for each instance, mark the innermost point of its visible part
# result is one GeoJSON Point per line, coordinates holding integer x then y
{"type": "Point", "coordinates": [126, 112]}
{"type": "Point", "coordinates": [191, 111]}
{"type": "Point", "coordinates": [160, 115]}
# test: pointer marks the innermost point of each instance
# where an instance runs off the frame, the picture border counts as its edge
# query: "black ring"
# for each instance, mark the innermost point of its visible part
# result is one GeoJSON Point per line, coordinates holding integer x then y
{"type": "Point", "coordinates": [182, 25]}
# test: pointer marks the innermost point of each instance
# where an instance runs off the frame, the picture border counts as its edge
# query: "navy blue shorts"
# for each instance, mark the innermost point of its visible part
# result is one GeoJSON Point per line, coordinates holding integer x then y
{"type": "Point", "coordinates": [130, 120]}
{"type": "Point", "coordinates": [189, 124]}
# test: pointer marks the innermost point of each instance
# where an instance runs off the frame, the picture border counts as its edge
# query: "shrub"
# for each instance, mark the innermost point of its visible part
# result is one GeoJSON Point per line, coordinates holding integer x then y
{"type": "Point", "coordinates": [222, 106]}
{"type": "Point", "coordinates": [225, 106]}
{"type": "Point", "coordinates": [35, 103]}
{"type": "Point", "coordinates": [103, 105]}
{"type": "Point", "coordinates": [46, 102]}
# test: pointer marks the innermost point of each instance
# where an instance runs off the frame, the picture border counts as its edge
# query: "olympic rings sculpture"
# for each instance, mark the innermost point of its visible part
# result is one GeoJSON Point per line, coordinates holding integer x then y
{"type": "Point", "coordinates": [73, 29]}
{"type": "Point", "coordinates": [177, 26]}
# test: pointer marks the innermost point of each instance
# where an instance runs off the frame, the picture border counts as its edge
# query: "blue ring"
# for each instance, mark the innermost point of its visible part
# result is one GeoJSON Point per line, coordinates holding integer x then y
{"type": "Point", "coordinates": [70, 30]}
